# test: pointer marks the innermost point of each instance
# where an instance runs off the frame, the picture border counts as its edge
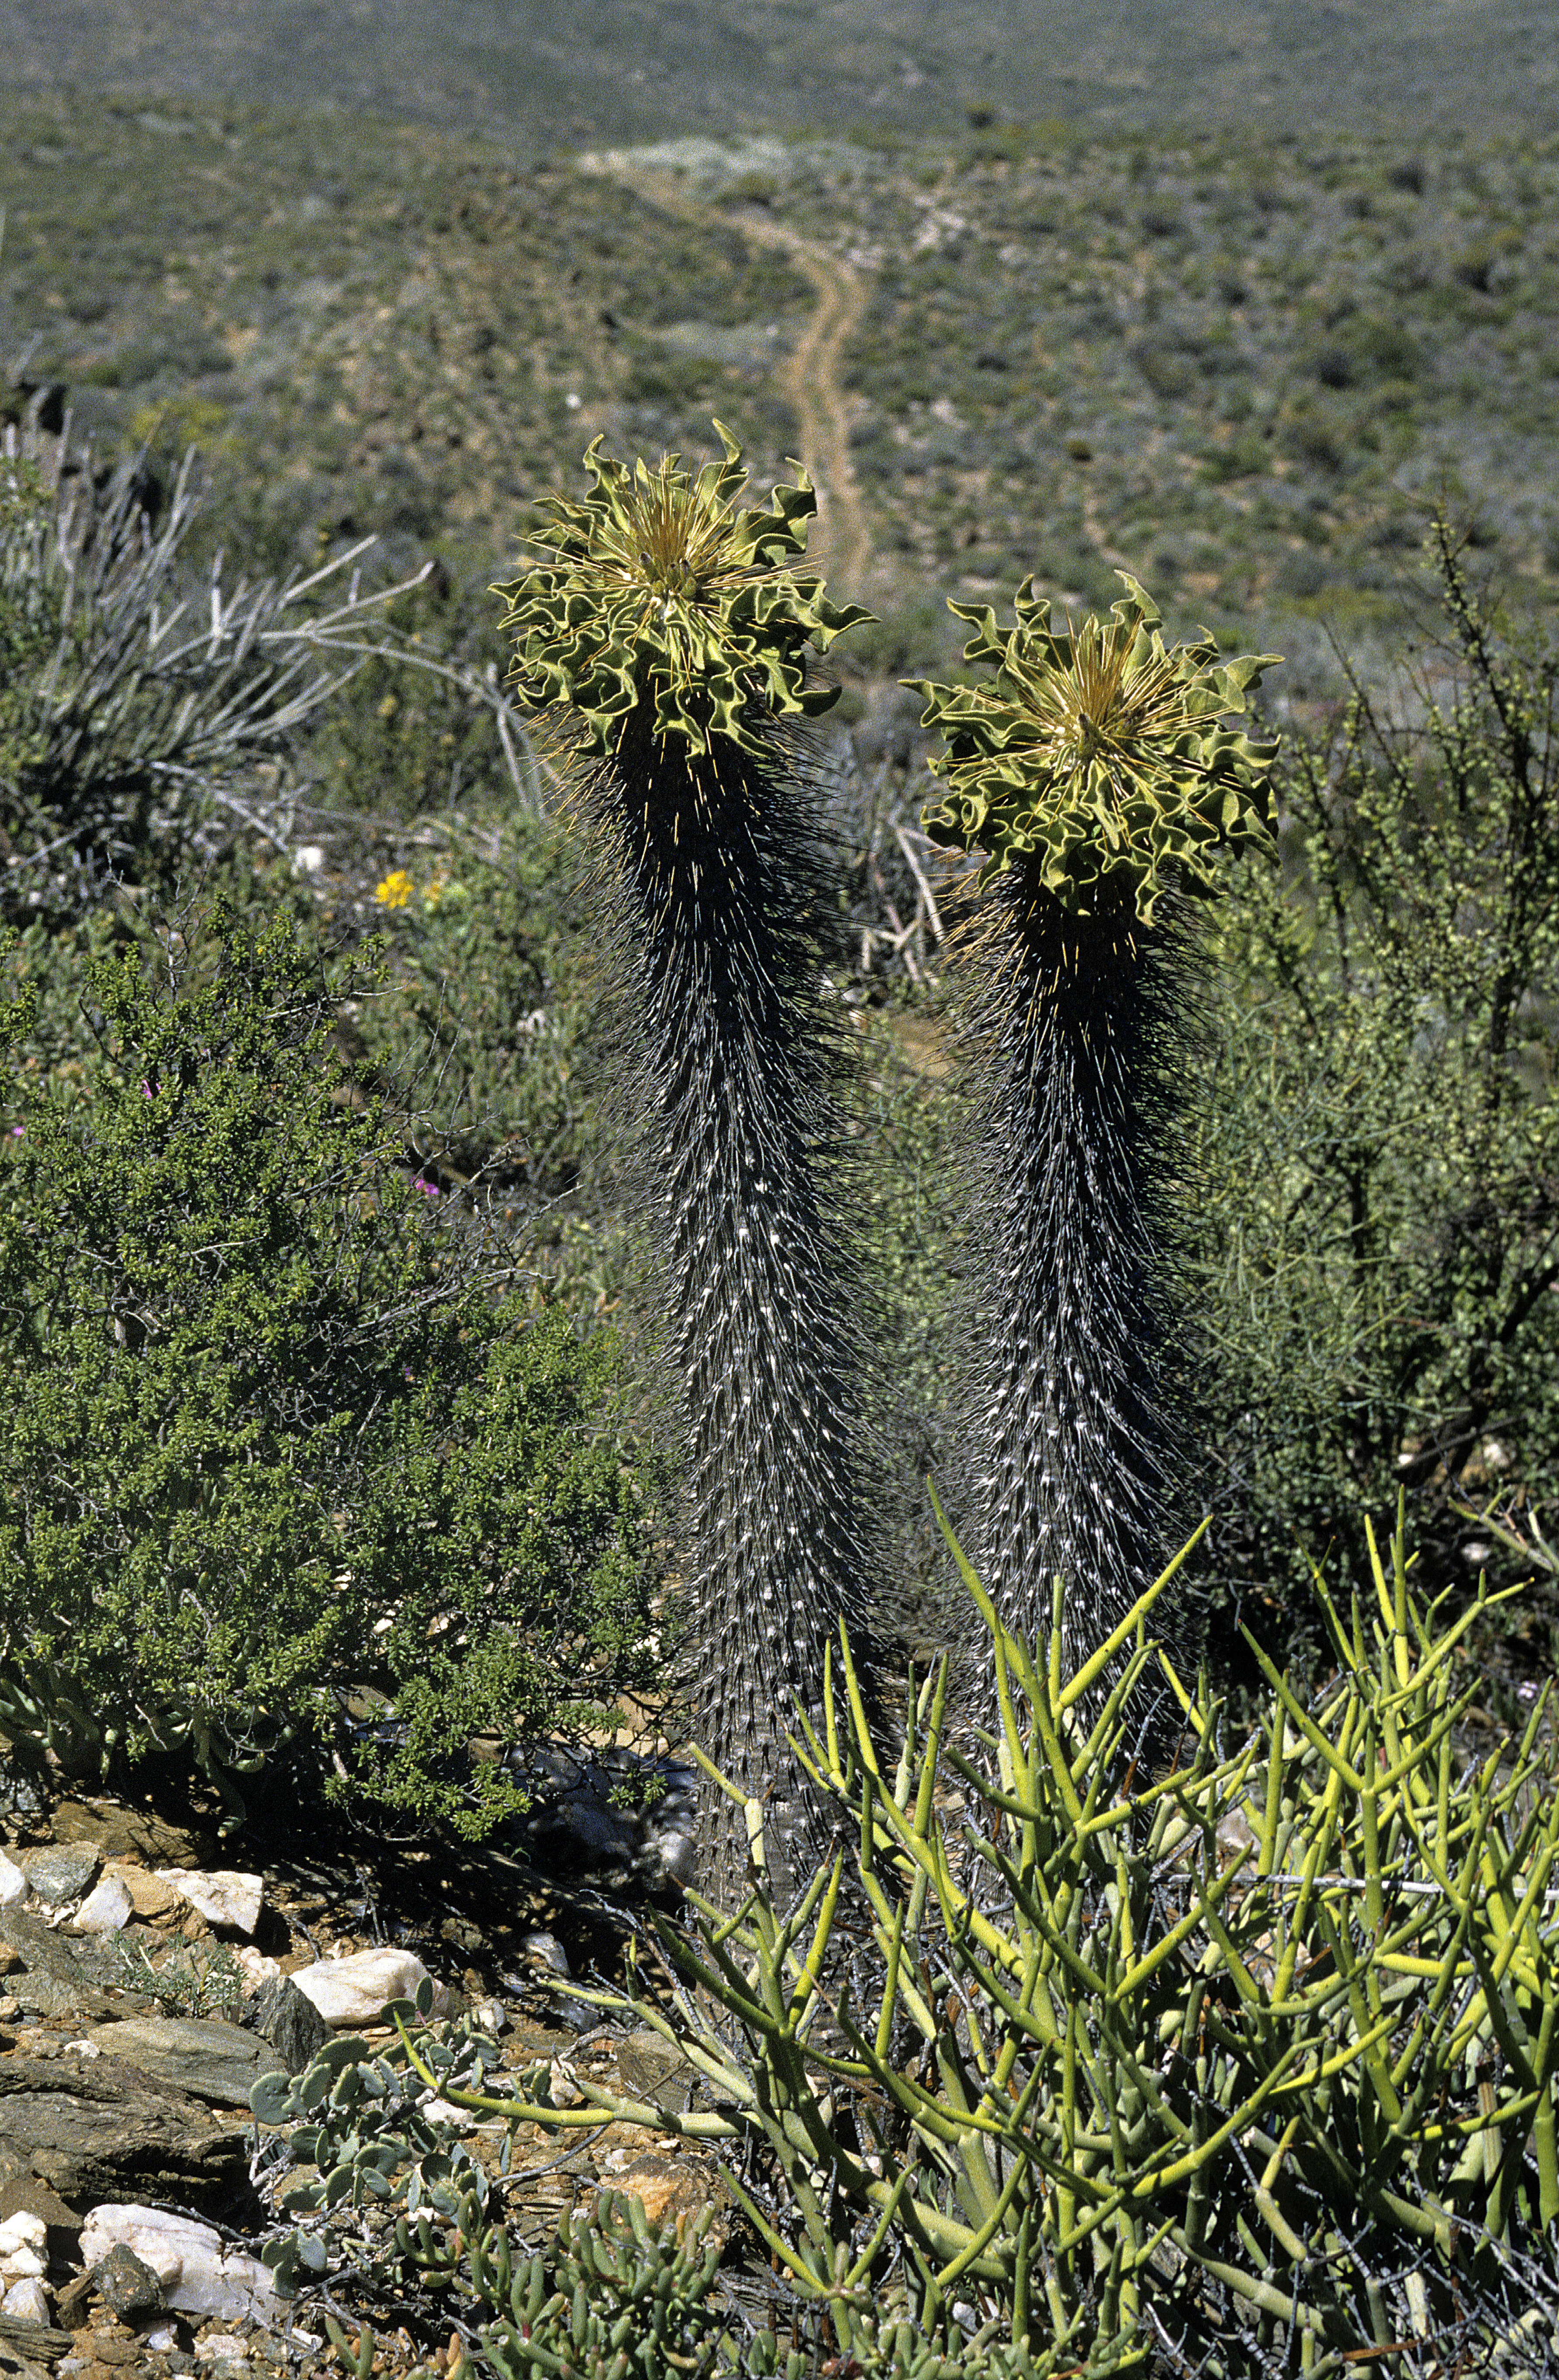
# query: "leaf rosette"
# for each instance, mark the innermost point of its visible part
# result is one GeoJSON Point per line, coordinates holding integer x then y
{"type": "Point", "coordinates": [656, 591]}
{"type": "Point", "coordinates": [1100, 754]}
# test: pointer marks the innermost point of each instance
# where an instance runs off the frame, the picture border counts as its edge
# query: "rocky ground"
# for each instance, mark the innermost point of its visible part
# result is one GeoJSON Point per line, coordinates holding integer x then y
{"type": "Point", "coordinates": [145, 1985]}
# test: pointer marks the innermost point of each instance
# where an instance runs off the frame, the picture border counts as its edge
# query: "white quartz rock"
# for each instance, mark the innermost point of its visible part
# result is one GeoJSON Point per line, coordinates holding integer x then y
{"type": "Point", "coordinates": [355, 1990]}
{"type": "Point", "coordinates": [198, 2275]}
{"type": "Point", "coordinates": [14, 1886]}
{"type": "Point", "coordinates": [106, 1907]}
{"type": "Point", "coordinates": [26, 2301]}
{"type": "Point", "coordinates": [23, 2249]}
{"type": "Point", "coordinates": [224, 1895]}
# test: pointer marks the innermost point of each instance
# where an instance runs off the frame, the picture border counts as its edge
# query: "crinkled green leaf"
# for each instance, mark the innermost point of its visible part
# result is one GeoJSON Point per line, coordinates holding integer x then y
{"type": "Point", "coordinates": [655, 591]}
{"type": "Point", "coordinates": [1099, 753]}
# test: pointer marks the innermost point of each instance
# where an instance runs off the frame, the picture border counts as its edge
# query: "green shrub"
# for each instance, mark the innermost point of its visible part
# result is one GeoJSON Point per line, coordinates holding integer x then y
{"type": "Point", "coordinates": [1380, 1139]}
{"type": "Point", "coordinates": [273, 1442]}
{"type": "Point", "coordinates": [490, 994]}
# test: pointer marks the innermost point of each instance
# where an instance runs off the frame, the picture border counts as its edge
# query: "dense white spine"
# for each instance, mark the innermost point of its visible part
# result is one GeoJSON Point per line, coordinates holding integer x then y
{"type": "Point", "coordinates": [714, 885]}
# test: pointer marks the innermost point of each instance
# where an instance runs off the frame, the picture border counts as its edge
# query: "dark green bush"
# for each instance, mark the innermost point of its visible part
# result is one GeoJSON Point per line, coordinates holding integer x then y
{"type": "Point", "coordinates": [1380, 1146]}
{"type": "Point", "coordinates": [490, 995]}
{"type": "Point", "coordinates": [277, 1449]}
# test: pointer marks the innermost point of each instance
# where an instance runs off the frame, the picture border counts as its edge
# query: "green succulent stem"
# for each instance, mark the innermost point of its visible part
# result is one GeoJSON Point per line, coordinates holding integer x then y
{"type": "Point", "coordinates": [1151, 2093]}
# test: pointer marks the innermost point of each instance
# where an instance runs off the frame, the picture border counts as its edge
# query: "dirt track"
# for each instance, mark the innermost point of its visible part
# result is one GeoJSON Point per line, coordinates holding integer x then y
{"type": "Point", "coordinates": [808, 377]}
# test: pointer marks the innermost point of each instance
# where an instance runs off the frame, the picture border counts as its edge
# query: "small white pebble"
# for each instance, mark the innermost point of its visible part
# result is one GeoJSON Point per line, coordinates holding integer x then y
{"type": "Point", "coordinates": [545, 1950]}
{"type": "Point", "coordinates": [440, 2111]}
{"type": "Point", "coordinates": [565, 2091]}
{"type": "Point", "coordinates": [26, 2301]}
{"type": "Point", "coordinates": [23, 2232]}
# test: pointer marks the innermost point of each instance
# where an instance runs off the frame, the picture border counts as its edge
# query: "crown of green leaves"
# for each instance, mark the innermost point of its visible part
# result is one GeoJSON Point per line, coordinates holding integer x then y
{"type": "Point", "coordinates": [1099, 753]}
{"type": "Point", "coordinates": [655, 590]}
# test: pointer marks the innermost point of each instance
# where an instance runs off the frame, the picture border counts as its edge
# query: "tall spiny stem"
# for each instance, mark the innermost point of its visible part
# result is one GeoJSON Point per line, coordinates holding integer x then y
{"type": "Point", "coordinates": [1098, 779]}
{"type": "Point", "coordinates": [674, 630]}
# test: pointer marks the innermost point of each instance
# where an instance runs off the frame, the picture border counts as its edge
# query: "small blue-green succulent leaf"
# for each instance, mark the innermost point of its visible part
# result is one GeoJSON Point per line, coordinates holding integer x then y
{"type": "Point", "coordinates": [1100, 756]}
{"type": "Point", "coordinates": [339, 2055]}
{"type": "Point", "coordinates": [656, 595]}
{"type": "Point", "coordinates": [272, 2098]}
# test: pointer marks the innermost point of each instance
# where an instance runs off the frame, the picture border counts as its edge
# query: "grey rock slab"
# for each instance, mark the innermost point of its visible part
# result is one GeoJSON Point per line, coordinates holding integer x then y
{"type": "Point", "coordinates": [55, 2003]}
{"type": "Point", "coordinates": [200, 2055]}
{"type": "Point", "coordinates": [94, 2129]}
{"type": "Point", "coordinates": [29, 2351]}
{"type": "Point", "coordinates": [64, 1872]}
{"type": "Point", "coordinates": [653, 2069]}
{"type": "Point", "coordinates": [55, 1984]}
{"type": "Point", "coordinates": [289, 2022]}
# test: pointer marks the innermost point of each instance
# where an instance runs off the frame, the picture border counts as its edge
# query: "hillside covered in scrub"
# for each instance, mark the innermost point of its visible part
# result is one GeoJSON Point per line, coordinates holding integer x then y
{"type": "Point", "coordinates": [1244, 367]}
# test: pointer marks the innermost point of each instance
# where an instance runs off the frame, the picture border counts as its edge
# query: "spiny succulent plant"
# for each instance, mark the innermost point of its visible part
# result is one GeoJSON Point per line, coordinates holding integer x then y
{"type": "Point", "coordinates": [1098, 762]}
{"type": "Point", "coordinates": [1254, 2073]}
{"type": "Point", "coordinates": [1099, 779]}
{"type": "Point", "coordinates": [667, 633]}
{"type": "Point", "coordinates": [656, 589]}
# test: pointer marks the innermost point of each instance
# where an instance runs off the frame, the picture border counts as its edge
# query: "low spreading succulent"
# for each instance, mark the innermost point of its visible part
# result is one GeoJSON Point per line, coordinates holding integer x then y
{"type": "Point", "coordinates": [1261, 2056]}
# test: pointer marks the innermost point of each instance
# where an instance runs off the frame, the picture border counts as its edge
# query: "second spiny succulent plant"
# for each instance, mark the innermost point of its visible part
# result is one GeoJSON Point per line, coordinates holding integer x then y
{"type": "Point", "coordinates": [1098, 776]}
